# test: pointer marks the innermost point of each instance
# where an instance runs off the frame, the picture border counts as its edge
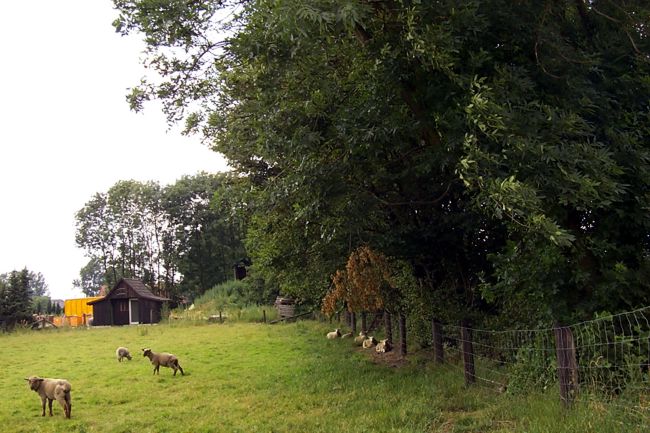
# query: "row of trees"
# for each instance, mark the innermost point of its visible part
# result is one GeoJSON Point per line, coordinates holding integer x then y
{"type": "Point", "coordinates": [494, 152]}
{"type": "Point", "coordinates": [18, 289]}
{"type": "Point", "coordinates": [175, 238]}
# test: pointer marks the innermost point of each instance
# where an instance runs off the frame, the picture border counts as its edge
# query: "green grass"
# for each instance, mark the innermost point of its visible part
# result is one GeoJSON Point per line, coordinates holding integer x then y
{"type": "Point", "coordinates": [260, 378]}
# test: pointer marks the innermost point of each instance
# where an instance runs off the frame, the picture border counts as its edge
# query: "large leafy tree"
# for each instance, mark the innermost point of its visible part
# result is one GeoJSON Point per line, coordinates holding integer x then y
{"type": "Point", "coordinates": [207, 243]}
{"type": "Point", "coordinates": [493, 142]}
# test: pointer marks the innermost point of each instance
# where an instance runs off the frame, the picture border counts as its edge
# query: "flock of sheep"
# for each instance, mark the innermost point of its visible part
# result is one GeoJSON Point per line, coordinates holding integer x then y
{"type": "Point", "coordinates": [363, 340]}
{"type": "Point", "coordinates": [59, 389]}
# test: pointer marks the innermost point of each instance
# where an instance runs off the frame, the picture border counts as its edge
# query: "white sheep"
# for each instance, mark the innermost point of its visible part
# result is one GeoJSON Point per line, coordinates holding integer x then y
{"type": "Point", "coordinates": [164, 359]}
{"type": "Point", "coordinates": [334, 334]}
{"type": "Point", "coordinates": [346, 335]}
{"type": "Point", "coordinates": [52, 389]}
{"type": "Point", "coordinates": [358, 340]}
{"type": "Point", "coordinates": [383, 346]}
{"type": "Point", "coordinates": [369, 342]}
{"type": "Point", "coordinates": [121, 353]}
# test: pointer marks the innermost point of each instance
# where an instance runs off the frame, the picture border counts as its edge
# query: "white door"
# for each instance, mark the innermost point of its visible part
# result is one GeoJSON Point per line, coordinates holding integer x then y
{"type": "Point", "coordinates": [134, 311]}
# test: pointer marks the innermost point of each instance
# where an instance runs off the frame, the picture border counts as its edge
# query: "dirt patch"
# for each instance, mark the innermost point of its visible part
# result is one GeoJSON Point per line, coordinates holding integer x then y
{"type": "Point", "coordinates": [391, 359]}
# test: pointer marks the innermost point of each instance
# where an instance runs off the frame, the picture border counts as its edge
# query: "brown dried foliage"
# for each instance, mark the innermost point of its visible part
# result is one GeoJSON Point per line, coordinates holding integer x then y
{"type": "Point", "coordinates": [360, 284]}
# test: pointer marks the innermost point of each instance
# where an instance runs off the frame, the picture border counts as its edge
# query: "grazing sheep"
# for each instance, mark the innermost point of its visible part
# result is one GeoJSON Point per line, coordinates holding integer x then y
{"type": "Point", "coordinates": [359, 339]}
{"type": "Point", "coordinates": [121, 353]}
{"type": "Point", "coordinates": [383, 346]}
{"type": "Point", "coordinates": [52, 389]}
{"type": "Point", "coordinates": [164, 359]}
{"type": "Point", "coordinates": [334, 334]}
{"type": "Point", "coordinates": [369, 342]}
{"type": "Point", "coordinates": [346, 335]}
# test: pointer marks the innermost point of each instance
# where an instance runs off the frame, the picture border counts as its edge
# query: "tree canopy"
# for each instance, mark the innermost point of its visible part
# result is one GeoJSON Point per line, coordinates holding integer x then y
{"type": "Point", "coordinates": [498, 148]}
{"type": "Point", "coordinates": [173, 238]}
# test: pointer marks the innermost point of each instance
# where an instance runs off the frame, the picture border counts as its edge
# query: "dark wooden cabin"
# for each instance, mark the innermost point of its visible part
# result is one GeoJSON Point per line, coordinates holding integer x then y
{"type": "Point", "coordinates": [130, 302]}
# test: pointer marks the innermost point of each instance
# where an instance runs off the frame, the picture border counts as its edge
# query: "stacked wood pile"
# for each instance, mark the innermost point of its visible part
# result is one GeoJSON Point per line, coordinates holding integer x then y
{"type": "Point", "coordinates": [286, 306]}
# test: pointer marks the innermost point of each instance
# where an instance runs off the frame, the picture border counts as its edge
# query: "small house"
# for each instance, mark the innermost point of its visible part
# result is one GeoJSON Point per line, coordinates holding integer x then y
{"type": "Point", "coordinates": [129, 302]}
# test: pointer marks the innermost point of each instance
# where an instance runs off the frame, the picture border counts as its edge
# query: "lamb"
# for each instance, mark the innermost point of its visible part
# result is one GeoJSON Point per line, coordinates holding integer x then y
{"type": "Point", "coordinates": [359, 339]}
{"type": "Point", "coordinates": [384, 346]}
{"type": "Point", "coordinates": [369, 342]}
{"type": "Point", "coordinates": [52, 389]}
{"type": "Point", "coordinates": [346, 335]}
{"type": "Point", "coordinates": [121, 353]}
{"type": "Point", "coordinates": [164, 359]}
{"type": "Point", "coordinates": [334, 334]}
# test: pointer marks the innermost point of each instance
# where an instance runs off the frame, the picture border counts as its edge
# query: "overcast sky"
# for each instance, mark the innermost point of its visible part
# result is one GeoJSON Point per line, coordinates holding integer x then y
{"type": "Point", "coordinates": [66, 131]}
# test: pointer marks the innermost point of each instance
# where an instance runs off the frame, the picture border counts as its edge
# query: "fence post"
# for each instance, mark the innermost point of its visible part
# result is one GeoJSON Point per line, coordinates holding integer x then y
{"type": "Point", "coordinates": [364, 322]}
{"type": "Point", "coordinates": [468, 352]}
{"type": "Point", "coordinates": [388, 325]}
{"type": "Point", "coordinates": [402, 334]}
{"type": "Point", "coordinates": [353, 322]}
{"type": "Point", "coordinates": [567, 366]}
{"type": "Point", "coordinates": [438, 351]}
{"type": "Point", "coordinates": [264, 316]}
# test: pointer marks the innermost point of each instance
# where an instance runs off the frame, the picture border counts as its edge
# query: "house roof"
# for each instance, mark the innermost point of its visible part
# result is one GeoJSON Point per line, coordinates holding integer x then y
{"type": "Point", "coordinates": [138, 287]}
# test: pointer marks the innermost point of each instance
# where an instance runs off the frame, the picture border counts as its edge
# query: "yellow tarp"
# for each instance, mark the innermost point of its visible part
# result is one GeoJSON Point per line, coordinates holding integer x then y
{"type": "Point", "coordinates": [79, 306]}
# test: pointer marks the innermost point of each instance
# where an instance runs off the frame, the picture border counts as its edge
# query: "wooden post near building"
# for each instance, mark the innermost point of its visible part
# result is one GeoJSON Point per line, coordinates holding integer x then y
{"type": "Point", "coordinates": [567, 366]}
{"type": "Point", "coordinates": [438, 350]}
{"type": "Point", "coordinates": [468, 352]}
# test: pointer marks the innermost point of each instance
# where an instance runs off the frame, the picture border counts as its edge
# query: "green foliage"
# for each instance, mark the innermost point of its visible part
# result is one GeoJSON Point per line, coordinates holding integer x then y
{"type": "Point", "coordinates": [234, 293]}
{"type": "Point", "coordinates": [15, 297]}
{"type": "Point", "coordinates": [468, 138]}
{"type": "Point", "coordinates": [92, 278]}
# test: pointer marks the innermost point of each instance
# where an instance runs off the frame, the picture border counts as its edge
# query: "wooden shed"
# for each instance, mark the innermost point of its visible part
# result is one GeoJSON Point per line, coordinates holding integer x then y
{"type": "Point", "coordinates": [130, 302]}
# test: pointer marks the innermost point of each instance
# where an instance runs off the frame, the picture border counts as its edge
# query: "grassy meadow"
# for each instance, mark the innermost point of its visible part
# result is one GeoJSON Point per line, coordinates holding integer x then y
{"type": "Point", "coordinates": [260, 378]}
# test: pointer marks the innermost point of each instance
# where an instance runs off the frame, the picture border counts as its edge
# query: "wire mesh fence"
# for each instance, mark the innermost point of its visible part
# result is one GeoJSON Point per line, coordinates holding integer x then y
{"type": "Point", "coordinates": [601, 363]}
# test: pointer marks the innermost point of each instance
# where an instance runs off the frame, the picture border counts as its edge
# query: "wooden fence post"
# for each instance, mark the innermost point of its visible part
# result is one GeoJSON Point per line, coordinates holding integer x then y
{"type": "Point", "coordinates": [402, 334]}
{"type": "Point", "coordinates": [438, 350]}
{"type": "Point", "coordinates": [468, 352]}
{"type": "Point", "coordinates": [388, 325]}
{"type": "Point", "coordinates": [353, 322]}
{"type": "Point", "coordinates": [567, 366]}
{"type": "Point", "coordinates": [364, 322]}
{"type": "Point", "coordinates": [264, 316]}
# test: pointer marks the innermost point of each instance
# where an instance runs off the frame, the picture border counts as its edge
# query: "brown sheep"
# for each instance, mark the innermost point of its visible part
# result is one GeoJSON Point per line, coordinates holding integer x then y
{"type": "Point", "coordinates": [164, 359]}
{"type": "Point", "coordinates": [121, 353]}
{"type": "Point", "coordinates": [52, 389]}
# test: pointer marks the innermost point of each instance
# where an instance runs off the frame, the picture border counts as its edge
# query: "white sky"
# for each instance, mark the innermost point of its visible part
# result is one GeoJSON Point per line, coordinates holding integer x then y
{"type": "Point", "coordinates": [66, 131]}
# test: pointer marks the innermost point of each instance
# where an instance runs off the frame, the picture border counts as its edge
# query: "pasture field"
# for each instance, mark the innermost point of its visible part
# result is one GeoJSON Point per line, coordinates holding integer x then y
{"type": "Point", "coordinates": [260, 378]}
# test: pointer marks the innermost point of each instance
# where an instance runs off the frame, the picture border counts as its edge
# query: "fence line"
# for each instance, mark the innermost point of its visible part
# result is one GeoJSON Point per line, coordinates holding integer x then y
{"type": "Point", "coordinates": [604, 360]}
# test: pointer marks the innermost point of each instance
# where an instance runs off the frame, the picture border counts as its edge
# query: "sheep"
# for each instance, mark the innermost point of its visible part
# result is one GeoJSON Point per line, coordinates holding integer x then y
{"type": "Point", "coordinates": [383, 346]}
{"type": "Point", "coordinates": [334, 334]}
{"type": "Point", "coordinates": [121, 353]}
{"type": "Point", "coordinates": [369, 342]}
{"type": "Point", "coordinates": [359, 339]}
{"type": "Point", "coordinates": [346, 335]}
{"type": "Point", "coordinates": [164, 359]}
{"type": "Point", "coordinates": [52, 389]}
